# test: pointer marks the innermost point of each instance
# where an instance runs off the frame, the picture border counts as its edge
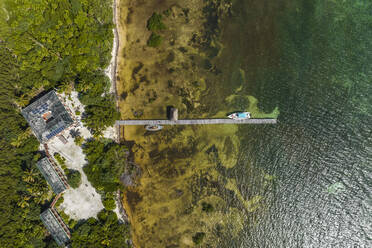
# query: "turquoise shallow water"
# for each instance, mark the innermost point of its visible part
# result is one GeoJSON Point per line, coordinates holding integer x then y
{"type": "Point", "coordinates": [312, 59]}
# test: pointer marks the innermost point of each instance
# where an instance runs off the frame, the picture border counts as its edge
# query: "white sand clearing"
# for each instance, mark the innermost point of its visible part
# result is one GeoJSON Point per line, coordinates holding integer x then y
{"type": "Point", "coordinates": [83, 202]}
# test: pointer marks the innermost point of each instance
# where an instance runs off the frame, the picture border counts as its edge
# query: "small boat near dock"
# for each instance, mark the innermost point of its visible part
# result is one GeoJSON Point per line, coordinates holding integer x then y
{"type": "Point", "coordinates": [240, 115]}
{"type": "Point", "coordinates": [153, 128]}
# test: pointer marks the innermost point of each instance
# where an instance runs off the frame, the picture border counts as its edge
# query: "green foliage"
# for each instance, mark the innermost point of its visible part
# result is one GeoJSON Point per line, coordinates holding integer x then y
{"type": "Point", "coordinates": [56, 41]}
{"type": "Point", "coordinates": [79, 140]}
{"type": "Point", "coordinates": [109, 201]}
{"type": "Point", "coordinates": [154, 40]}
{"type": "Point", "coordinates": [104, 232]}
{"type": "Point", "coordinates": [106, 161]}
{"type": "Point", "coordinates": [61, 44]}
{"type": "Point", "coordinates": [154, 23]}
{"type": "Point", "coordinates": [100, 112]}
{"type": "Point", "coordinates": [91, 86]}
{"type": "Point", "coordinates": [60, 160]}
{"type": "Point", "coordinates": [22, 187]}
{"type": "Point", "coordinates": [72, 223]}
{"type": "Point", "coordinates": [59, 201]}
{"type": "Point", "coordinates": [198, 238]}
{"type": "Point", "coordinates": [44, 45]}
{"type": "Point", "coordinates": [73, 178]}
{"type": "Point", "coordinates": [206, 207]}
{"type": "Point", "coordinates": [64, 216]}
{"type": "Point", "coordinates": [100, 115]}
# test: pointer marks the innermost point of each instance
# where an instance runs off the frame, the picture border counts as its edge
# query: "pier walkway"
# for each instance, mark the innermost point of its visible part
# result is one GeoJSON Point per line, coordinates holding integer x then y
{"type": "Point", "coordinates": [195, 122]}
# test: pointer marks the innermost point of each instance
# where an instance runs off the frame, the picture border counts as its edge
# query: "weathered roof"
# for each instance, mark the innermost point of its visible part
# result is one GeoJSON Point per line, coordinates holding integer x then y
{"type": "Point", "coordinates": [47, 116]}
{"type": "Point", "coordinates": [51, 175]}
{"type": "Point", "coordinates": [55, 225]}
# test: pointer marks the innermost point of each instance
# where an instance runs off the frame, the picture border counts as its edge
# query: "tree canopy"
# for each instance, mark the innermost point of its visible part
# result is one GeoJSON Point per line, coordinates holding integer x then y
{"type": "Point", "coordinates": [61, 43]}
{"type": "Point", "coordinates": [106, 160]}
{"type": "Point", "coordinates": [104, 232]}
{"type": "Point", "coordinates": [56, 40]}
{"type": "Point", "coordinates": [22, 187]}
{"type": "Point", "coordinates": [46, 44]}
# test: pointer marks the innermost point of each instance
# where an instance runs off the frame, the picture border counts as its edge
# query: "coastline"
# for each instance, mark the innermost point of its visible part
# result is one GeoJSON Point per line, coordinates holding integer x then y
{"type": "Point", "coordinates": [178, 165]}
{"type": "Point", "coordinates": [111, 72]}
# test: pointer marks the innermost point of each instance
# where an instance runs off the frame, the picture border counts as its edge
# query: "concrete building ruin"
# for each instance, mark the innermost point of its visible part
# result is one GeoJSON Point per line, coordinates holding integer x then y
{"type": "Point", "coordinates": [47, 117]}
{"type": "Point", "coordinates": [53, 174]}
{"type": "Point", "coordinates": [55, 226]}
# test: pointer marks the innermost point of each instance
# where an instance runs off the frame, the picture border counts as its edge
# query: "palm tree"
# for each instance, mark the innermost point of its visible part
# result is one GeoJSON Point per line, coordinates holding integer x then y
{"type": "Point", "coordinates": [24, 201]}
{"type": "Point", "coordinates": [29, 176]}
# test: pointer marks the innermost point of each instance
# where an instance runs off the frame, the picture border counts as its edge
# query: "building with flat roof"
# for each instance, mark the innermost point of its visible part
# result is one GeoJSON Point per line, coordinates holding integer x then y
{"type": "Point", "coordinates": [55, 226]}
{"type": "Point", "coordinates": [53, 174]}
{"type": "Point", "coordinates": [47, 116]}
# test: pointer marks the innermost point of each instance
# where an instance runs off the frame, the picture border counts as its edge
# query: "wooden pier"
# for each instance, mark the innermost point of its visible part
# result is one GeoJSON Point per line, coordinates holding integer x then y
{"type": "Point", "coordinates": [195, 122]}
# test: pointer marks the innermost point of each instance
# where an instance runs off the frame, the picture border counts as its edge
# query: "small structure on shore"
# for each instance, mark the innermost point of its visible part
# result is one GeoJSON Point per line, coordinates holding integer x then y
{"type": "Point", "coordinates": [47, 117]}
{"type": "Point", "coordinates": [53, 174]}
{"type": "Point", "coordinates": [55, 226]}
{"type": "Point", "coordinates": [173, 115]}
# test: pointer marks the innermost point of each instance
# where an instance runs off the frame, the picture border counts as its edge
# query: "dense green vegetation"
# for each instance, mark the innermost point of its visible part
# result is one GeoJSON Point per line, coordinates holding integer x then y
{"type": "Point", "coordinates": [22, 188]}
{"type": "Point", "coordinates": [198, 238]}
{"type": "Point", "coordinates": [109, 201]}
{"type": "Point", "coordinates": [106, 160]}
{"type": "Point", "coordinates": [73, 178]}
{"type": "Point", "coordinates": [60, 160]}
{"type": "Point", "coordinates": [44, 44]}
{"type": "Point", "coordinates": [100, 115]}
{"type": "Point", "coordinates": [78, 140]}
{"type": "Point", "coordinates": [154, 40]}
{"type": "Point", "coordinates": [104, 232]}
{"type": "Point", "coordinates": [207, 207]}
{"type": "Point", "coordinates": [59, 44]}
{"type": "Point", "coordinates": [155, 24]}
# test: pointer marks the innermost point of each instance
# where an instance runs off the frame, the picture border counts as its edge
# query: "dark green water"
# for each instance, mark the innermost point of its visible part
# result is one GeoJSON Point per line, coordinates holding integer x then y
{"type": "Point", "coordinates": [312, 59]}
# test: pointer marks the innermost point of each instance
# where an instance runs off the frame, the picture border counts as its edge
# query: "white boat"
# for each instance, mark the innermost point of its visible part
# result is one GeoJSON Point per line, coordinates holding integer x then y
{"type": "Point", "coordinates": [153, 127]}
{"type": "Point", "coordinates": [240, 115]}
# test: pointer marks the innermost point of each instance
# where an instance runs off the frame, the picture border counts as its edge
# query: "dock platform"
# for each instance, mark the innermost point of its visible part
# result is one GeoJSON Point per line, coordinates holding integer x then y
{"type": "Point", "coordinates": [194, 122]}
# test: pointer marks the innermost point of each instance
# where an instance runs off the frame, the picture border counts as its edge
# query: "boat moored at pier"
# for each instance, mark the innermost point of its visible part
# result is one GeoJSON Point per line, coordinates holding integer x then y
{"type": "Point", "coordinates": [153, 128]}
{"type": "Point", "coordinates": [240, 115]}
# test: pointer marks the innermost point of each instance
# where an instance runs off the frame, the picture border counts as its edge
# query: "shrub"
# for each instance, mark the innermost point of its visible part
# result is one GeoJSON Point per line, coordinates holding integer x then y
{"type": "Point", "coordinates": [79, 140]}
{"type": "Point", "coordinates": [206, 207]}
{"type": "Point", "coordinates": [60, 160]}
{"type": "Point", "coordinates": [198, 238]}
{"type": "Point", "coordinates": [109, 202]}
{"type": "Point", "coordinates": [100, 115]}
{"type": "Point", "coordinates": [73, 178]}
{"type": "Point", "coordinates": [106, 161]}
{"type": "Point", "coordinates": [59, 202]}
{"type": "Point", "coordinates": [154, 40]}
{"type": "Point", "coordinates": [106, 231]}
{"type": "Point", "coordinates": [155, 23]}
{"type": "Point", "coordinates": [64, 216]}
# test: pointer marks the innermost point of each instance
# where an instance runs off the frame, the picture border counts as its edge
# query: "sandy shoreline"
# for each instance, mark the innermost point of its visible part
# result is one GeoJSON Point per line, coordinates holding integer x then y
{"type": "Point", "coordinates": [111, 72]}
